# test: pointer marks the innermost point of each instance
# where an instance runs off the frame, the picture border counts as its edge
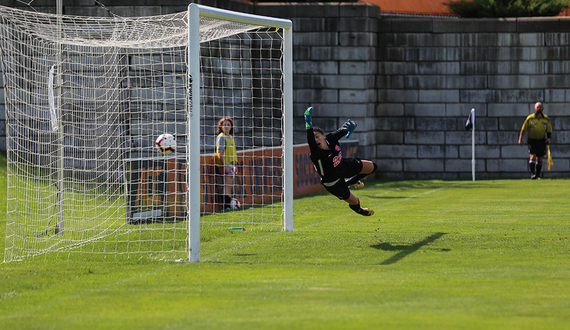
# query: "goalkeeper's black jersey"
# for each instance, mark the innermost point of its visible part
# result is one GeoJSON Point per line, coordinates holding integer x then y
{"type": "Point", "coordinates": [328, 163]}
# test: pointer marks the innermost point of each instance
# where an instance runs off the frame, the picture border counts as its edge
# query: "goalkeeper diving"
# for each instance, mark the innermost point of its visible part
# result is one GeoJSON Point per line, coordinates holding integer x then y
{"type": "Point", "coordinates": [337, 173]}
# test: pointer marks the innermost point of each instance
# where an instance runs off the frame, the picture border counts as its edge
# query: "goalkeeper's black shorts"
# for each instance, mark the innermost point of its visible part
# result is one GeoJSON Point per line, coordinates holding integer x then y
{"type": "Point", "coordinates": [537, 147]}
{"type": "Point", "coordinates": [339, 188]}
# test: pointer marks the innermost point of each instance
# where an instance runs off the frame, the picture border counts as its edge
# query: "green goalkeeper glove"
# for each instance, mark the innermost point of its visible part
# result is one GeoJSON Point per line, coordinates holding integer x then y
{"type": "Point", "coordinates": [308, 118]}
{"type": "Point", "coordinates": [349, 127]}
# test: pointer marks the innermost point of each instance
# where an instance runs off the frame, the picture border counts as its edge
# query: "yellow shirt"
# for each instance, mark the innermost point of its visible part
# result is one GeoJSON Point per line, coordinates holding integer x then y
{"type": "Point", "coordinates": [537, 127]}
{"type": "Point", "coordinates": [227, 145]}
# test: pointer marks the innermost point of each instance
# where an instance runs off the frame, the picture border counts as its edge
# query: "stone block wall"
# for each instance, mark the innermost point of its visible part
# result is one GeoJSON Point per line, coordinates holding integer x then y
{"type": "Point", "coordinates": [409, 83]}
{"type": "Point", "coordinates": [432, 71]}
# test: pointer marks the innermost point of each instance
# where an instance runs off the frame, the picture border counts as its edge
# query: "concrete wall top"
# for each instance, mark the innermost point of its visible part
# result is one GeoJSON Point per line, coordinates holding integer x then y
{"type": "Point", "coordinates": [475, 25]}
{"type": "Point", "coordinates": [318, 9]}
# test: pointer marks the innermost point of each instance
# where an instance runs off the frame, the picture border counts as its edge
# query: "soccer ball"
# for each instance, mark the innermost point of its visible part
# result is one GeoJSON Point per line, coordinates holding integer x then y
{"type": "Point", "coordinates": [166, 144]}
{"type": "Point", "coordinates": [234, 204]}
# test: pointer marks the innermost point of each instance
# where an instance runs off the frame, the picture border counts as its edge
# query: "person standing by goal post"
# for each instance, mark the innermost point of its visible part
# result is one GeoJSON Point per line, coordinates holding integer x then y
{"type": "Point", "coordinates": [226, 159]}
{"type": "Point", "coordinates": [336, 172]}
{"type": "Point", "coordinates": [539, 133]}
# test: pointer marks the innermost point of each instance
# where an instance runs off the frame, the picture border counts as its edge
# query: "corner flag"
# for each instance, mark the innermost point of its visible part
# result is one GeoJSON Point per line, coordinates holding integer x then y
{"type": "Point", "coordinates": [470, 125]}
{"type": "Point", "coordinates": [471, 120]}
{"type": "Point", "coordinates": [549, 164]}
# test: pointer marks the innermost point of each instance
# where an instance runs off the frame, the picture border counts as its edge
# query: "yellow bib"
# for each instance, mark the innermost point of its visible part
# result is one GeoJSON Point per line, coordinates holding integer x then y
{"type": "Point", "coordinates": [230, 154]}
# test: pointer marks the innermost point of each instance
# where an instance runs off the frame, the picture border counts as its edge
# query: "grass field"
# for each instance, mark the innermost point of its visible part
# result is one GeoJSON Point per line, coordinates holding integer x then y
{"type": "Point", "coordinates": [490, 254]}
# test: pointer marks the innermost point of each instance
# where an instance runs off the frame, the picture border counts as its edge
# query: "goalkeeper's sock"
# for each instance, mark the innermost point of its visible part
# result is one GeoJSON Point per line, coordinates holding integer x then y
{"type": "Point", "coordinates": [355, 179]}
{"type": "Point", "coordinates": [538, 169]}
{"type": "Point", "coordinates": [356, 208]}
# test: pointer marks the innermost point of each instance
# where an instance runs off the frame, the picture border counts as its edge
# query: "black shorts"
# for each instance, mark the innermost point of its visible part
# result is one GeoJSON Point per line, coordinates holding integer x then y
{"type": "Point", "coordinates": [537, 147]}
{"type": "Point", "coordinates": [352, 167]}
{"type": "Point", "coordinates": [339, 189]}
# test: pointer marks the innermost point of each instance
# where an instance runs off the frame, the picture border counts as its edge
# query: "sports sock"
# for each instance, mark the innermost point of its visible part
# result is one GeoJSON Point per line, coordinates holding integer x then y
{"type": "Point", "coordinates": [355, 179]}
{"type": "Point", "coordinates": [532, 165]}
{"type": "Point", "coordinates": [538, 169]}
{"type": "Point", "coordinates": [356, 208]}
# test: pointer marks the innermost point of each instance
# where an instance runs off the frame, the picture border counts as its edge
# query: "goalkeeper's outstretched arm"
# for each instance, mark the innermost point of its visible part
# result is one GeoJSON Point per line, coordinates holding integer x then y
{"type": "Point", "coordinates": [310, 131]}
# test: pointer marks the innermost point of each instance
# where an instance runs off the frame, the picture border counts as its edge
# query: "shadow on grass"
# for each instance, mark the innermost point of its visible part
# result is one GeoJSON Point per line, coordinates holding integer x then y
{"type": "Point", "coordinates": [405, 250]}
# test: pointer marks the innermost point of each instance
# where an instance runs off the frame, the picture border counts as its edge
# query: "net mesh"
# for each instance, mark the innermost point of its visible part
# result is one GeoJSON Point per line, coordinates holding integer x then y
{"type": "Point", "coordinates": [86, 99]}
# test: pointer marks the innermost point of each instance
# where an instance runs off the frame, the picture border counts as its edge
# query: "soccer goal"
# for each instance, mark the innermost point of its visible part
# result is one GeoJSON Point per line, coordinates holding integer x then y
{"type": "Point", "coordinates": [86, 99]}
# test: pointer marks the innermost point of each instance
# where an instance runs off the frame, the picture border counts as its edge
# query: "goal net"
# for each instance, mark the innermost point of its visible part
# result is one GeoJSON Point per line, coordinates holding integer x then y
{"type": "Point", "coordinates": [86, 99]}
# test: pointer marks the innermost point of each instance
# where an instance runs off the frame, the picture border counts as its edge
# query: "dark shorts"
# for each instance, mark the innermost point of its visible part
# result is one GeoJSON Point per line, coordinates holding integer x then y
{"type": "Point", "coordinates": [339, 189]}
{"type": "Point", "coordinates": [537, 147]}
{"type": "Point", "coordinates": [352, 167]}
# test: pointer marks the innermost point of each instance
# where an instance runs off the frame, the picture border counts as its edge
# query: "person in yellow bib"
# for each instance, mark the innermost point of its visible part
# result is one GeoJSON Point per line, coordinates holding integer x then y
{"type": "Point", "coordinates": [539, 131]}
{"type": "Point", "coordinates": [226, 159]}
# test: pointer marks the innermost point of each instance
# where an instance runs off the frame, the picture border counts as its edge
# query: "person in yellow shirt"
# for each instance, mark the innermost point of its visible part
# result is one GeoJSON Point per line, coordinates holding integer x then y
{"type": "Point", "coordinates": [226, 158]}
{"type": "Point", "coordinates": [539, 131]}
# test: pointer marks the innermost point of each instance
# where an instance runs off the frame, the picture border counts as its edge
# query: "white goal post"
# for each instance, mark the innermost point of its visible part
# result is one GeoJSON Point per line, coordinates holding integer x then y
{"type": "Point", "coordinates": [85, 100]}
{"type": "Point", "coordinates": [195, 12]}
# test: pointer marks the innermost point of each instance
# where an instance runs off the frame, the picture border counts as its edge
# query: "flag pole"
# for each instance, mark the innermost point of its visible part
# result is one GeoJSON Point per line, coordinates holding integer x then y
{"type": "Point", "coordinates": [473, 145]}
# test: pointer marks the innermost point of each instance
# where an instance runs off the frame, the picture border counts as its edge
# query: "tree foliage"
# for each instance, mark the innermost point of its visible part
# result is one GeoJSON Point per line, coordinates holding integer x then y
{"type": "Point", "coordinates": [507, 8]}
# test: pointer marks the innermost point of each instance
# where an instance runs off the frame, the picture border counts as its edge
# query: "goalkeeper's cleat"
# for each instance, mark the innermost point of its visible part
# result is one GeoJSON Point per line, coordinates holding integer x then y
{"type": "Point", "coordinates": [366, 211]}
{"type": "Point", "coordinates": [358, 185]}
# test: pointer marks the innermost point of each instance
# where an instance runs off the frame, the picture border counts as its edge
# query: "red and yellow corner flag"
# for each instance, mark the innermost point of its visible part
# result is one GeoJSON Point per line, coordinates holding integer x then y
{"type": "Point", "coordinates": [549, 164]}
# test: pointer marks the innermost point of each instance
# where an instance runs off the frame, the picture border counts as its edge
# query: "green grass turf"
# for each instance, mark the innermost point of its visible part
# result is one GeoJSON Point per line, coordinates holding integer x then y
{"type": "Point", "coordinates": [490, 254]}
